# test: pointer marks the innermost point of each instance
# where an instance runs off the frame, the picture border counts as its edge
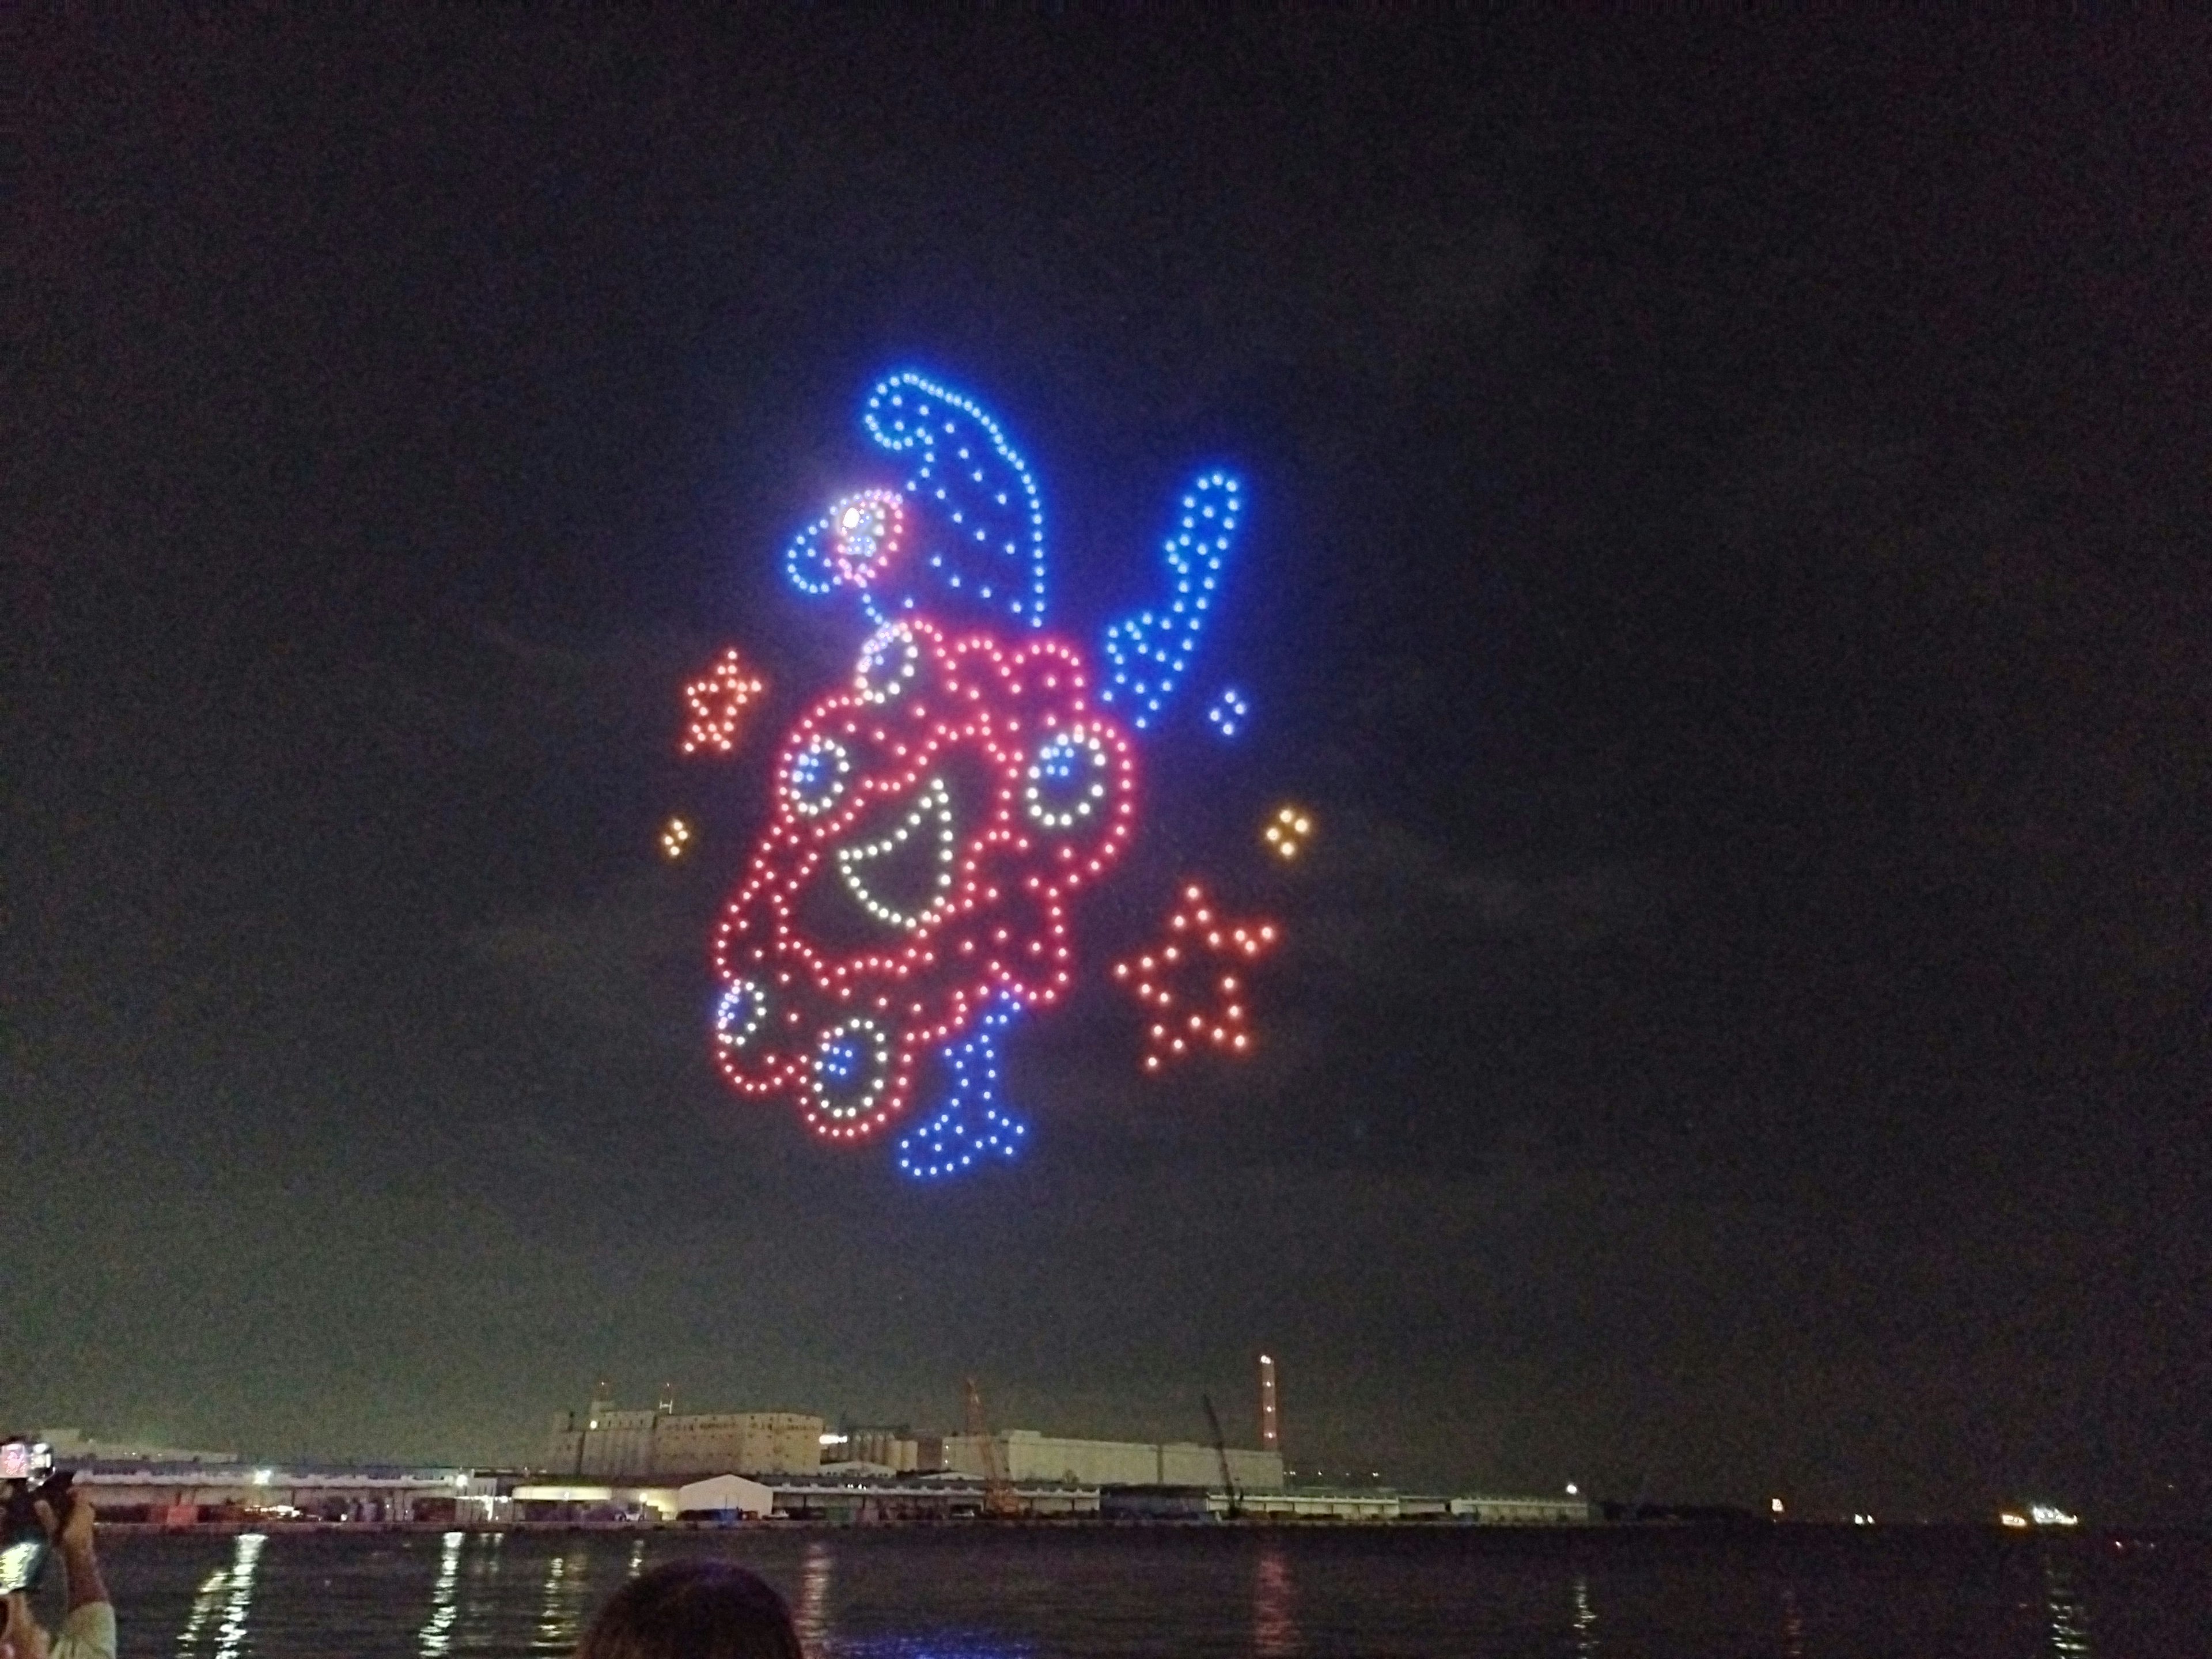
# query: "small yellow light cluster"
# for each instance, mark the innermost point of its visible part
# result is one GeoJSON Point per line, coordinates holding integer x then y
{"type": "Point", "coordinates": [1287, 832]}
{"type": "Point", "coordinates": [675, 838]}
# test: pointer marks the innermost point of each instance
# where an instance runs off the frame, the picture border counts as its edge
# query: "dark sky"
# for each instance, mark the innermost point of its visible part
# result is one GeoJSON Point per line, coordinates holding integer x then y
{"type": "Point", "coordinates": [1727, 569]}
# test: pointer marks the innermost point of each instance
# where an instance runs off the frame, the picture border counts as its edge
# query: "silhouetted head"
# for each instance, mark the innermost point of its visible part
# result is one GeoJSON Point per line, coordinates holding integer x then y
{"type": "Point", "coordinates": [693, 1610]}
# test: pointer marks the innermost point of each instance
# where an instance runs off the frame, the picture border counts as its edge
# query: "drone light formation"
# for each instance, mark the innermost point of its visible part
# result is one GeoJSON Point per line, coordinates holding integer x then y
{"type": "Point", "coordinates": [1229, 712]}
{"type": "Point", "coordinates": [1150, 650]}
{"type": "Point", "coordinates": [1287, 832]}
{"type": "Point", "coordinates": [1046, 801]}
{"type": "Point", "coordinates": [675, 839]}
{"type": "Point", "coordinates": [1191, 984]}
{"type": "Point", "coordinates": [973, 1125]}
{"type": "Point", "coordinates": [967, 520]}
{"type": "Point", "coordinates": [717, 703]}
{"type": "Point", "coordinates": [932, 819]}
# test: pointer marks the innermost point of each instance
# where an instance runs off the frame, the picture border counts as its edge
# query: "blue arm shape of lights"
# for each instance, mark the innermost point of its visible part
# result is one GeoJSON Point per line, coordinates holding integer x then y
{"type": "Point", "coordinates": [972, 514]}
{"type": "Point", "coordinates": [1150, 651]}
{"type": "Point", "coordinates": [973, 1125]}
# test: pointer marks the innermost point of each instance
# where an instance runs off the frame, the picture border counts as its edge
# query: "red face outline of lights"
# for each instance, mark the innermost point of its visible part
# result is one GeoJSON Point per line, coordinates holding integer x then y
{"type": "Point", "coordinates": [863, 771]}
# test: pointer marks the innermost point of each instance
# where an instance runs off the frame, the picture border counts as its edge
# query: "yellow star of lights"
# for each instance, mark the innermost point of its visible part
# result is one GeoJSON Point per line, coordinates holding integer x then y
{"type": "Point", "coordinates": [718, 704]}
{"type": "Point", "coordinates": [675, 839]}
{"type": "Point", "coordinates": [1288, 831]}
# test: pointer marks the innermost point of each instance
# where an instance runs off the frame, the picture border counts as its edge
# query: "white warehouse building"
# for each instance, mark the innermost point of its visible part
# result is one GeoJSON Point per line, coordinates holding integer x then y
{"type": "Point", "coordinates": [1028, 1455]}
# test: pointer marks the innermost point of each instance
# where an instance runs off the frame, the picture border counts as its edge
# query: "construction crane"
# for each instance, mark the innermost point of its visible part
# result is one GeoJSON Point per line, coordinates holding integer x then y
{"type": "Point", "coordinates": [1221, 1450]}
{"type": "Point", "coordinates": [998, 1490]}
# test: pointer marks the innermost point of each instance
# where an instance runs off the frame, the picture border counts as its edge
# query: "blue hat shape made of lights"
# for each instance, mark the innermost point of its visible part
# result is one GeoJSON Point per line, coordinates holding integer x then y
{"type": "Point", "coordinates": [964, 533]}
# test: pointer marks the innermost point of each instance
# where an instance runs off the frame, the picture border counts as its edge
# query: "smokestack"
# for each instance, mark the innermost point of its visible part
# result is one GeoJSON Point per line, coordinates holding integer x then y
{"type": "Point", "coordinates": [1270, 1425]}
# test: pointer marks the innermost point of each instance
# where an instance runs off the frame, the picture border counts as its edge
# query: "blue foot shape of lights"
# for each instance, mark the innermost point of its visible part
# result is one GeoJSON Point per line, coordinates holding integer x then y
{"type": "Point", "coordinates": [973, 1125]}
{"type": "Point", "coordinates": [1150, 650]}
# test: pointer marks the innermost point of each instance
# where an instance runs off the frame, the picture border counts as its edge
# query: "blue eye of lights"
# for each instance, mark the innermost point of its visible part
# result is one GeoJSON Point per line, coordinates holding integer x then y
{"type": "Point", "coordinates": [817, 777]}
{"type": "Point", "coordinates": [740, 1014]}
{"type": "Point", "coordinates": [1067, 783]}
{"type": "Point", "coordinates": [852, 1070]}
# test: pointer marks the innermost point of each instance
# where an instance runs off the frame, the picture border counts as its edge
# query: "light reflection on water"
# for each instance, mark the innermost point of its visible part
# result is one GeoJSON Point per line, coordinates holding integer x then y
{"type": "Point", "coordinates": [232, 1637]}
{"type": "Point", "coordinates": [437, 1634]}
{"type": "Point", "coordinates": [1274, 1616]}
{"type": "Point", "coordinates": [1100, 1594]}
{"type": "Point", "coordinates": [2070, 1623]}
{"type": "Point", "coordinates": [1585, 1621]}
{"type": "Point", "coordinates": [478, 1603]}
{"type": "Point", "coordinates": [203, 1607]}
{"type": "Point", "coordinates": [810, 1615]}
{"type": "Point", "coordinates": [230, 1589]}
{"type": "Point", "coordinates": [561, 1617]}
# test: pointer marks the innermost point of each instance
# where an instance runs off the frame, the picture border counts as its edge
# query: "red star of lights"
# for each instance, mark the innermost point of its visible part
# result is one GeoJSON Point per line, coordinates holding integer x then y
{"type": "Point", "coordinates": [718, 704]}
{"type": "Point", "coordinates": [1191, 983]}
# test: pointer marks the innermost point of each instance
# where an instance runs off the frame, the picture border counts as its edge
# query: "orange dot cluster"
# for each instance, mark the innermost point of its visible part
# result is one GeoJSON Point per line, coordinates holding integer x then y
{"type": "Point", "coordinates": [1191, 982]}
{"type": "Point", "coordinates": [1288, 831]}
{"type": "Point", "coordinates": [718, 703]}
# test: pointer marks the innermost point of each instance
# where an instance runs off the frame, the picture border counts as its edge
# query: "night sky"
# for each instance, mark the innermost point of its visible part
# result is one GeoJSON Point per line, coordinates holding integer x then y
{"type": "Point", "coordinates": [1727, 570]}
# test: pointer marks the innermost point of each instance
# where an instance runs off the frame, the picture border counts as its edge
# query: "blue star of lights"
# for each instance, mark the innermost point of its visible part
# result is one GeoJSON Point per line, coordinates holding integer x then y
{"type": "Point", "coordinates": [972, 1126]}
{"type": "Point", "coordinates": [1150, 650]}
{"type": "Point", "coordinates": [969, 527]}
{"type": "Point", "coordinates": [1229, 712]}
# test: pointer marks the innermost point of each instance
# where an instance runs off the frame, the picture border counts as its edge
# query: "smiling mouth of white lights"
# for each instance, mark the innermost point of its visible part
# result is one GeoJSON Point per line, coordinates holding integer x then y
{"type": "Point", "coordinates": [928, 820]}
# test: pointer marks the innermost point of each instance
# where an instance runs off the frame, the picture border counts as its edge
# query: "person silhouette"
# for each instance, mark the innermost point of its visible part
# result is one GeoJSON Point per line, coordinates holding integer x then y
{"type": "Point", "coordinates": [698, 1609]}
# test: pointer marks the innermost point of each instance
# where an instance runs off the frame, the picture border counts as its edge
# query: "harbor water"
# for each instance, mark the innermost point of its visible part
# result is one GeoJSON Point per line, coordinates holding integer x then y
{"type": "Point", "coordinates": [1045, 1593]}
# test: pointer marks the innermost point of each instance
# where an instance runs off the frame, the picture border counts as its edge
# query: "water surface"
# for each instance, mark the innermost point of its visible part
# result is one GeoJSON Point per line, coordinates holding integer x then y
{"type": "Point", "coordinates": [1793, 1593]}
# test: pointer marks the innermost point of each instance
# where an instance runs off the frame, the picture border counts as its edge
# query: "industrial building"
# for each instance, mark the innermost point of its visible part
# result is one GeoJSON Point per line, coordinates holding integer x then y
{"type": "Point", "coordinates": [606, 1443]}
{"type": "Point", "coordinates": [603, 1443]}
{"type": "Point", "coordinates": [73, 1446]}
{"type": "Point", "coordinates": [1028, 1456]}
{"type": "Point", "coordinates": [186, 1494]}
{"type": "Point", "coordinates": [616, 1464]}
{"type": "Point", "coordinates": [884, 1451]}
{"type": "Point", "coordinates": [604, 1466]}
{"type": "Point", "coordinates": [722, 1497]}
